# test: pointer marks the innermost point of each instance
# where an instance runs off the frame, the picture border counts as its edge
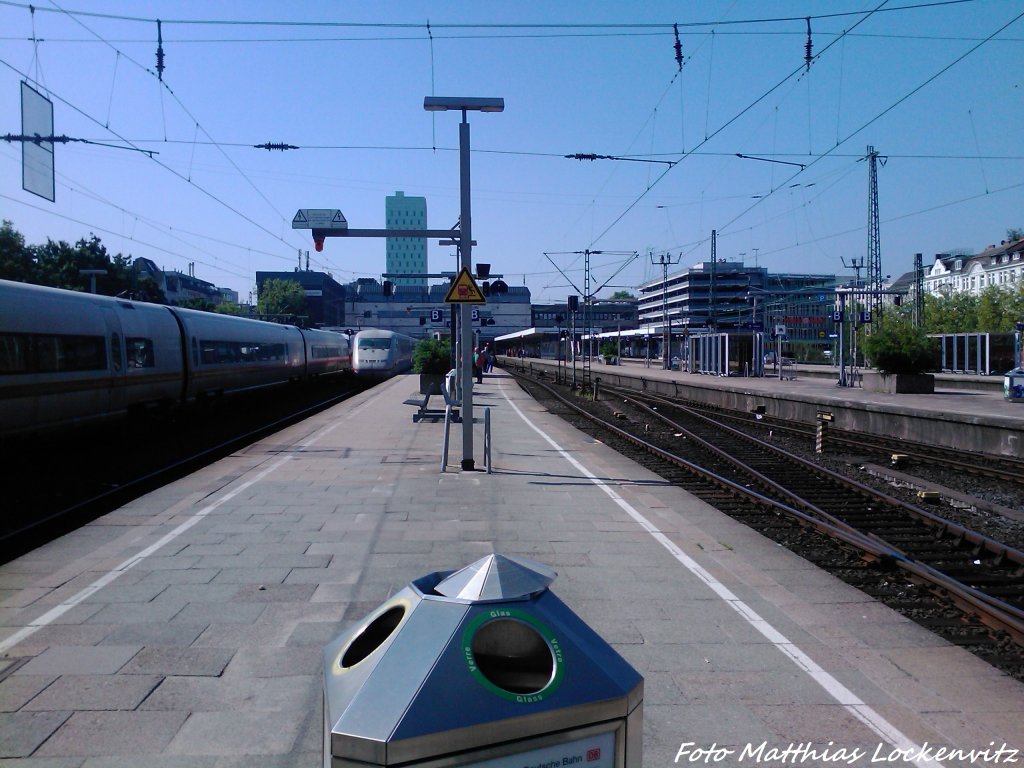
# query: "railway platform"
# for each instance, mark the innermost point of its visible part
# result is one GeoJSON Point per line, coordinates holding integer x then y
{"type": "Point", "coordinates": [186, 628]}
{"type": "Point", "coordinates": [977, 420]}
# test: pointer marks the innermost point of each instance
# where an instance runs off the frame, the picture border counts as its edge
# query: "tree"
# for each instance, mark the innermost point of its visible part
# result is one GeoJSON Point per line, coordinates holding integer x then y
{"type": "Point", "coordinates": [146, 289]}
{"type": "Point", "coordinates": [1013, 234]}
{"type": "Point", "coordinates": [16, 262]}
{"type": "Point", "coordinates": [228, 308]}
{"type": "Point", "coordinates": [996, 310]}
{"type": "Point", "coordinates": [1000, 308]}
{"type": "Point", "coordinates": [622, 295]}
{"type": "Point", "coordinates": [954, 313]}
{"type": "Point", "coordinates": [282, 298]}
{"type": "Point", "coordinates": [203, 305]}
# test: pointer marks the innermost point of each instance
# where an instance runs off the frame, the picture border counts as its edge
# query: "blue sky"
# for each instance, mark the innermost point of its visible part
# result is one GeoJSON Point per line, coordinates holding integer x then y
{"type": "Point", "coordinates": [938, 90]}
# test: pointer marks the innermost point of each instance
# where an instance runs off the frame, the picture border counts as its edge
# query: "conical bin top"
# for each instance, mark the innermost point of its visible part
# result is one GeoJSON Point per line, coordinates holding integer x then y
{"type": "Point", "coordinates": [497, 577]}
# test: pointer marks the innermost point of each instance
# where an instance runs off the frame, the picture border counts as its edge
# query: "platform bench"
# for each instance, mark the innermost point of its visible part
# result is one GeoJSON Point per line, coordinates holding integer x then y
{"type": "Point", "coordinates": [422, 401]}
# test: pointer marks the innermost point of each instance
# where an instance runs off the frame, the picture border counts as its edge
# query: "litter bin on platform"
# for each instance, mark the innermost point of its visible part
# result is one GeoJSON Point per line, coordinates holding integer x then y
{"type": "Point", "coordinates": [484, 668]}
{"type": "Point", "coordinates": [1013, 385]}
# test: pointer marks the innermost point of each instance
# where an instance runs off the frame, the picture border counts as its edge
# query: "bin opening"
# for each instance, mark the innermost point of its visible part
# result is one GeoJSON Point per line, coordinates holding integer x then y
{"type": "Point", "coordinates": [513, 656]}
{"type": "Point", "coordinates": [370, 639]}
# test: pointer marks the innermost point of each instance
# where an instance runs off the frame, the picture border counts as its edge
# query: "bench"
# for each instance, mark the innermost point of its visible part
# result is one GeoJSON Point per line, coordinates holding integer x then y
{"type": "Point", "coordinates": [422, 403]}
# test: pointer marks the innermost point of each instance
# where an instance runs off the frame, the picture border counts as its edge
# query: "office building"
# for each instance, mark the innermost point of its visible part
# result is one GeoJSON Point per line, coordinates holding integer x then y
{"type": "Point", "coordinates": [406, 255]}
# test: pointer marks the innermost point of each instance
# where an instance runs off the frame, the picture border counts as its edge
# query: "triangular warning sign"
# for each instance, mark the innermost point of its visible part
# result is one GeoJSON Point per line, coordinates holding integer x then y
{"type": "Point", "coordinates": [464, 290]}
{"type": "Point", "coordinates": [300, 218]}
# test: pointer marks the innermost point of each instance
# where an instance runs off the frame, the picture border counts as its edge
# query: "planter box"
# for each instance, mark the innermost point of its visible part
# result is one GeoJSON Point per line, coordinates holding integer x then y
{"type": "Point", "coordinates": [431, 383]}
{"type": "Point", "coordinates": [899, 383]}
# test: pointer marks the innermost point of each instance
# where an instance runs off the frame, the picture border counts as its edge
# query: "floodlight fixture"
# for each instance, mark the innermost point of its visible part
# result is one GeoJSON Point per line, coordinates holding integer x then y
{"type": "Point", "coordinates": [476, 104]}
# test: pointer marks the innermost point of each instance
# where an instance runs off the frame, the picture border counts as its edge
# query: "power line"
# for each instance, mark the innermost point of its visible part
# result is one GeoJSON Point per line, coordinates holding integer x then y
{"type": "Point", "coordinates": [721, 128]}
{"type": "Point", "coordinates": [163, 165]}
{"type": "Point", "coordinates": [159, 76]}
{"type": "Point", "coordinates": [502, 26]}
{"type": "Point", "coordinates": [881, 114]}
{"type": "Point", "coordinates": [97, 228]}
{"type": "Point", "coordinates": [419, 39]}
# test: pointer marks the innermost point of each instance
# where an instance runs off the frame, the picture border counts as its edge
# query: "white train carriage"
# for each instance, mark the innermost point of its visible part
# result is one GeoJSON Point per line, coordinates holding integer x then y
{"type": "Point", "coordinates": [69, 358]}
{"type": "Point", "coordinates": [378, 354]}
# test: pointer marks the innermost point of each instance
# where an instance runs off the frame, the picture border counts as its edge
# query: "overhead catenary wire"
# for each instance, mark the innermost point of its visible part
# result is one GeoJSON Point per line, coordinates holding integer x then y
{"type": "Point", "coordinates": [262, 181]}
{"type": "Point", "coordinates": [491, 25]}
{"type": "Point", "coordinates": [151, 156]}
{"type": "Point", "coordinates": [185, 109]}
{"type": "Point", "coordinates": [881, 114]}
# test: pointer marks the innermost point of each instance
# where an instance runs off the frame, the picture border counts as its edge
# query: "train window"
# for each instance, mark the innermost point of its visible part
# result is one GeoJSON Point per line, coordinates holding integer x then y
{"type": "Point", "coordinates": [14, 357]}
{"type": "Point", "coordinates": [221, 352]}
{"type": "Point", "coordinates": [321, 352]}
{"type": "Point", "coordinates": [70, 353]}
{"type": "Point", "coordinates": [140, 352]}
{"type": "Point", "coordinates": [371, 343]}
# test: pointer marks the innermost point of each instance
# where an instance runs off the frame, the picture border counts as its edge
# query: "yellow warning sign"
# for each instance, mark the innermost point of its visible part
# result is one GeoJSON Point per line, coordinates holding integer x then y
{"type": "Point", "coordinates": [464, 290]}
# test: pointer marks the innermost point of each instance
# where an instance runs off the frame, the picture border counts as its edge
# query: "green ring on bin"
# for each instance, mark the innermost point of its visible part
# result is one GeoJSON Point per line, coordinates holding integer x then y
{"type": "Point", "coordinates": [515, 614]}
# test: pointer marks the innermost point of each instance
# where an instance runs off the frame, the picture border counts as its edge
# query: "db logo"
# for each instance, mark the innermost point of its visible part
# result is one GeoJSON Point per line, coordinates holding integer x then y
{"type": "Point", "coordinates": [593, 754]}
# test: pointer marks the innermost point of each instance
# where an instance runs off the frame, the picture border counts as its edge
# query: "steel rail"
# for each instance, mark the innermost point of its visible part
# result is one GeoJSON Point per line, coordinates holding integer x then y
{"type": "Point", "coordinates": [992, 612]}
{"type": "Point", "coordinates": [14, 541]}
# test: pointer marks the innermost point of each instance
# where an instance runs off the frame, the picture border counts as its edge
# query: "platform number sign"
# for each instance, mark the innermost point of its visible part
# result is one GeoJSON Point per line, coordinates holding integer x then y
{"type": "Point", "coordinates": [837, 316]}
{"type": "Point", "coordinates": [476, 314]}
{"type": "Point", "coordinates": [865, 316]}
{"type": "Point", "coordinates": [436, 316]}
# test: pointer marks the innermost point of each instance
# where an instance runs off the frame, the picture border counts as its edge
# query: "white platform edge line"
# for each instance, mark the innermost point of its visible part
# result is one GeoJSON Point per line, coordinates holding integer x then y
{"type": "Point", "coordinates": [843, 695]}
{"type": "Point", "coordinates": [59, 610]}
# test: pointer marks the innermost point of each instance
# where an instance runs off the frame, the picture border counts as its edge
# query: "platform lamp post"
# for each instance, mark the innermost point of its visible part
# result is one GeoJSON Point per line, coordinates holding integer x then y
{"type": "Point", "coordinates": [464, 105]}
{"type": "Point", "coordinates": [92, 274]}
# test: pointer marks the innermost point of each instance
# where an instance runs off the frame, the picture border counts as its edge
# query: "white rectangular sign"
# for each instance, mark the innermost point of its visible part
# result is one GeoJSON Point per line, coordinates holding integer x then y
{"type": "Point", "coordinates": [597, 751]}
{"type": "Point", "coordinates": [319, 218]}
{"type": "Point", "coordinates": [37, 157]}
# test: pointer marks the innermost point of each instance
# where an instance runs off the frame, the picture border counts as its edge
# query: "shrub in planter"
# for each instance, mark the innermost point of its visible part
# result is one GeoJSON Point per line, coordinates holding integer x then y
{"type": "Point", "coordinates": [432, 356]}
{"type": "Point", "coordinates": [899, 349]}
{"type": "Point", "coordinates": [431, 359]}
{"type": "Point", "coordinates": [609, 351]}
{"type": "Point", "coordinates": [901, 354]}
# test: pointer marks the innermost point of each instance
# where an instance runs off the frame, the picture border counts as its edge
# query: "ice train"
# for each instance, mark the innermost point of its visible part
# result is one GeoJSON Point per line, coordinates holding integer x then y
{"type": "Point", "coordinates": [71, 358]}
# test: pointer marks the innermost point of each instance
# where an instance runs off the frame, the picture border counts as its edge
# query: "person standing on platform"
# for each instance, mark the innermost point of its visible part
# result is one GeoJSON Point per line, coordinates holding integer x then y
{"type": "Point", "coordinates": [478, 365]}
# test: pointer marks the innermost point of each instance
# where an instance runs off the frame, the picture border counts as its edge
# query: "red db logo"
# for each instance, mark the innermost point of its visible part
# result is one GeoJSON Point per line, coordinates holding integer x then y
{"type": "Point", "coordinates": [593, 754]}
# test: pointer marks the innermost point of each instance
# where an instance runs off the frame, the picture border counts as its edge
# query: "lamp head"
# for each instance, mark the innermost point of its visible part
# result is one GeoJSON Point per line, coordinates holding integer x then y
{"type": "Point", "coordinates": [445, 103]}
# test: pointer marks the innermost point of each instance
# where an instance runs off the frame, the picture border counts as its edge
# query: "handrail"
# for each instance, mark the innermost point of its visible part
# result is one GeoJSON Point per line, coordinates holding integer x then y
{"type": "Point", "coordinates": [446, 390]}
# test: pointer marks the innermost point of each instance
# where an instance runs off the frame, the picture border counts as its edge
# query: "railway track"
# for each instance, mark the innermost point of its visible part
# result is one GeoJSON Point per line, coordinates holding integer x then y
{"type": "Point", "coordinates": [58, 483]}
{"type": "Point", "coordinates": [964, 585]}
{"type": "Point", "coordinates": [999, 468]}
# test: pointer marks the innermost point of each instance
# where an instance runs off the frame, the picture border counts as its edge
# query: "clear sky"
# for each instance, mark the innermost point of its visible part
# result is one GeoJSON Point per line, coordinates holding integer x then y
{"type": "Point", "coordinates": [936, 87]}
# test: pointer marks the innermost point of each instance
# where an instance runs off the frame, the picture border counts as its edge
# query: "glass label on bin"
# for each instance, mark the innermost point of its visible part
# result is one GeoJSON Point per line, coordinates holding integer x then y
{"type": "Point", "coordinates": [512, 654]}
{"type": "Point", "coordinates": [597, 751]}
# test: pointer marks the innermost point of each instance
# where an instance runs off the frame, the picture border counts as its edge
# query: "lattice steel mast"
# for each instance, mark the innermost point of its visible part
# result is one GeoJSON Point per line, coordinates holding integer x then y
{"type": "Point", "coordinates": [874, 242]}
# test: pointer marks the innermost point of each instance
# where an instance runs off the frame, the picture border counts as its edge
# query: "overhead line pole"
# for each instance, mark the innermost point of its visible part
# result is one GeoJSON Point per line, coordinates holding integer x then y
{"type": "Point", "coordinates": [666, 326]}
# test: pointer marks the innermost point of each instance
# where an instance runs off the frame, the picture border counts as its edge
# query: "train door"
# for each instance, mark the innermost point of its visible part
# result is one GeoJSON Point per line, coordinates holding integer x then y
{"type": "Point", "coordinates": [116, 362]}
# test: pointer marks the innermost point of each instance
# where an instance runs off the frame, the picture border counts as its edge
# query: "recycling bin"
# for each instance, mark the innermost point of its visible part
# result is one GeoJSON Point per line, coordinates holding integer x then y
{"type": "Point", "coordinates": [483, 667]}
{"type": "Point", "coordinates": [1013, 385]}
